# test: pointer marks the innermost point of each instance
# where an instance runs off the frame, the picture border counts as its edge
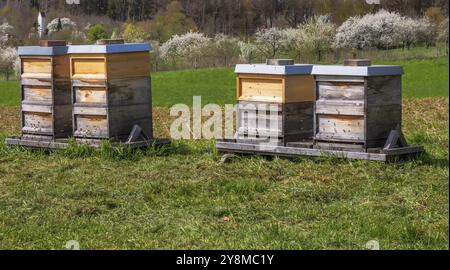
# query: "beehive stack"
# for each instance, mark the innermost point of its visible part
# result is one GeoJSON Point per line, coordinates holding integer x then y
{"type": "Point", "coordinates": [357, 105]}
{"type": "Point", "coordinates": [111, 90]}
{"type": "Point", "coordinates": [275, 102]}
{"type": "Point", "coordinates": [46, 104]}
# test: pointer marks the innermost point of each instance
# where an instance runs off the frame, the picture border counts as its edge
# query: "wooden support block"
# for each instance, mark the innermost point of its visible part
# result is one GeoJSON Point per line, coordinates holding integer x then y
{"type": "Point", "coordinates": [280, 62]}
{"type": "Point", "coordinates": [357, 62]}
{"type": "Point", "coordinates": [110, 41]}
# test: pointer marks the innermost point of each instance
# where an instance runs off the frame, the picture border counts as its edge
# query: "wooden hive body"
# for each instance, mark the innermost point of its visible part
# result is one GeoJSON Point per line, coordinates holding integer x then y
{"type": "Point", "coordinates": [111, 90]}
{"type": "Point", "coordinates": [356, 107]}
{"type": "Point", "coordinates": [266, 93]}
{"type": "Point", "coordinates": [46, 105]}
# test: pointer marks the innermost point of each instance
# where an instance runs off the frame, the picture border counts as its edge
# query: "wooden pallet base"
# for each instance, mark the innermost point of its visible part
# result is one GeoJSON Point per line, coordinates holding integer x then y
{"type": "Point", "coordinates": [45, 143]}
{"type": "Point", "coordinates": [303, 149]}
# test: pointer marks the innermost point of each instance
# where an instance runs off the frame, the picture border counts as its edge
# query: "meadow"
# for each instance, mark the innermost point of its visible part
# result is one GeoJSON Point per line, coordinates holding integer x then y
{"type": "Point", "coordinates": [183, 197]}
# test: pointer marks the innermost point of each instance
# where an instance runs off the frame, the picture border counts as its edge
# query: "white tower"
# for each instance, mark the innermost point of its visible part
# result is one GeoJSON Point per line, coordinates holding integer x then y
{"type": "Point", "coordinates": [41, 24]}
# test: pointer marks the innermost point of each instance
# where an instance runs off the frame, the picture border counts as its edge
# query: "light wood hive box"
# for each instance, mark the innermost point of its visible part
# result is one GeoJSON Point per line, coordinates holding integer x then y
{"type": "Point", "coordinates": [111, 90]}
{"type": "Point", "coordinates": [46, 104]}
{"type": "Point", "coordinates": [356, 106]}
{"type": "Point", "coordinates": [264, 88]}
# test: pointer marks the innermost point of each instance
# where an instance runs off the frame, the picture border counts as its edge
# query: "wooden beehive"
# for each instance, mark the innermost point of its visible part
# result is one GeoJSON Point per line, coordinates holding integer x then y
{"type": "Point", "coordinates": [111, 90]}
{"type": "Point", "coordinates": [356, 106]}
{"type": "Point", "coordinates": [278, 90]}
{"type": "Point", "coordinates": [46, 104]}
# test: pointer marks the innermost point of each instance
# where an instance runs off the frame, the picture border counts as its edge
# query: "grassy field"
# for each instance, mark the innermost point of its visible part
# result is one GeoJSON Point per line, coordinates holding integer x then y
{"type": "Point", "coordinates": [423, 78]}
{"type": "Point", "coordinates": [183, 197]}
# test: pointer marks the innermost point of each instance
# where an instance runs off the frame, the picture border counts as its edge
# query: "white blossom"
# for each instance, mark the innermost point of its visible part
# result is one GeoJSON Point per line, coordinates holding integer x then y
{"type": "Point", "coordinates": [189, 46]}
{"type": "Point", "coordinates": [6, 31]}
{"type": "Point", "coordinates": [248, 51]}
{"type": "Point", "coordinates": [66, 23]}
{"type": "Point", "coordinates": [9, 60]}
{"type": "Point", "coordinates": [271, 41]}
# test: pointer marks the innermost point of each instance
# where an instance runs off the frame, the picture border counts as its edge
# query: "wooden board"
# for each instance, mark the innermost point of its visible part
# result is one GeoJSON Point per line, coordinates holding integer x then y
{"type": "Point", "coordinates": [37, 123]}
{"type": "Point", "coordinates": [340, 107]}
{"type": "Point", "coordinates": [91, 126]}
{"type": "Point", "coordinates": [337, 127]}
{"type": "Point", "coordinates": [42, 142]}
{"type": "Point", "coordinates": [266, 90]}
{"type": "Point", "coordinates": [293, 152]}
{"type": "Point", "coordinates": [128, 65]}
{"type": "Point", "coordinates": [36, 65]}
{"type": "Point", "coordinates": [90, 95]}
{"type": "Point", "coordinates": [37, 93]}
{"type": "Point", "coordinates": [88, 66]}
{"type": "Point", "coordinates": [340, 91]}
{"type": "Point", "coordinates": [299, 88]}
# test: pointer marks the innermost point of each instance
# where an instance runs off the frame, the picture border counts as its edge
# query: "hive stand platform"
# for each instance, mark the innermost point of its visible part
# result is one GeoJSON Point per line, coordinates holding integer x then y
{"type": "Point", "coordinates": [137, 139]}
{"type": "Point", "coordinates": [395, 150]}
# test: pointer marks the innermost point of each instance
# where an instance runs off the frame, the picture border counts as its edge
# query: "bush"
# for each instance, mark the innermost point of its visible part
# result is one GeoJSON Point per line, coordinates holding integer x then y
{"type": "Point", "coordinates": [9, 62]}
{"type": "Point", "coordinates": [59, 24]}
{"type": "Point", "coordinates": [97, 32]}
{"type": "Point", "coordinates": [6, 34]}
{"type": "Point", "coordinates": [188, 47]}
{"type": "Point", "coordinates": [317, 35]}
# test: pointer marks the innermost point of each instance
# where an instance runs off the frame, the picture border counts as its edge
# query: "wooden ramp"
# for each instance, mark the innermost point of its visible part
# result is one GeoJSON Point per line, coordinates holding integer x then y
{"type": "Point", "coordinates": [391, 155]}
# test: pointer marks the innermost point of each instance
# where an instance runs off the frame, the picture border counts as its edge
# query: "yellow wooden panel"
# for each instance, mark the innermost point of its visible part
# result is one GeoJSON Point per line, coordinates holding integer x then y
{"type": "Point", "coordinates": [269, 90]}
{"type": "Point", "coordinates": [37, 65]}
{"type": "Point", "coordinates": [128, 65]}
{"type": "Point", "coordinates": [90, 95]}
{"type": "Point", "coordinates": [299, 88]}
{"type": "Point", "coordinates": [89, 66]}
{"type": "Point", "coordinates": [37, 93]}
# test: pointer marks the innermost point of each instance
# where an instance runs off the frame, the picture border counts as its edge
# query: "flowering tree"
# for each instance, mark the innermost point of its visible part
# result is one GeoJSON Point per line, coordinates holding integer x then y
{"type": "Point", "coordinates": [9, 61]}
{"type": "Point", "coordinates": [133, 33]}
{"type": "Point", "coordinates": [380, 30]}
{"type": "Point", "coordinates": [59, 24]}
{"type": "Point", "coordinates": [6, 32]}
{"type": "Point", "coordinates": [271, 41]}
{"type": "Point", "coordinates": [247, 51]}
{"type": "Point", "coordinates": [317, 36]}
{"type": "Point", "coordinates": [425, 31]}
{"type": "Point", "coordinates": [443, 33]}
{"type": "Point", "coordinates": [225, 47]}
{"type": "Point", "coordinates": [189, 47]}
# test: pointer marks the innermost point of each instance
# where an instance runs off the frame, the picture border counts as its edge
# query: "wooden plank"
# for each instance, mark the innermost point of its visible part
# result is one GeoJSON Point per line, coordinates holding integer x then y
{"type": "Point", "coordinates": [44, 108]}
{"type": "Point", "coordinates": [340, 91]}
{"type": "Point", "coordinates": [131, 91]}
{"type": "Point", "coordinates": [46, 82]}
{"type": "Point", "coordinates": [52, 43]}
{"type": "Point", "coordinates": [123, 118]}
{"type": "Point", "coordinates": [61, 67]}
{"type": "Point", "coordinates": [353, 79]}
{"type": "Point", "coordinates": [86, 110]}
{"type": "Point", "coordinates": [340, 127]}
{"type": "Point", "coordinates": [414, 149]}
{"type": "Point", "coordinates": [128, 65]}
{"type": "Point", "coordinates": [91, 126]}
{"type": "Point", "coordinates": [37, 122]}
{"type": "Point", "coordinates": [36, 65]}
{"type": "Point", "coordinates": [88, 83]}
{"type": "Point", "coordinates": [299, 89]}
{"type": "Point", "coordinates": [37, 93]}
{"type": "Point", "coordinates": [342, 107]}
{"type": "Point", "coordinates": [88, 67]}
{"type": "Point", "coordinates": [234, 147]}
{"type": "Point", "coordinates": [90, 95]}
{"type": "Point", "coordinates": [266, 90]}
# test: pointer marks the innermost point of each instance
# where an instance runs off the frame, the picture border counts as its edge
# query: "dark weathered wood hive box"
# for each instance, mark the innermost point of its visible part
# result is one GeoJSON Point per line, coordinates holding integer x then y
{"type": "Point", "coordinates": [356, 106]}
{"type": "Point", "coordinates": [278, 91]}
{"type": "Point", "coordinates": [46, 104]}
{"type": "Point", "coordinates": [111, 90]}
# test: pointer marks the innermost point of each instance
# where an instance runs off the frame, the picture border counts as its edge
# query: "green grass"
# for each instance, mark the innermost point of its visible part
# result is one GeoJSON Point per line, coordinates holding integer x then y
{"type": "Point", "coordinates": [183, 197]}
{"type": "Point", "coordinates": [423, 78]}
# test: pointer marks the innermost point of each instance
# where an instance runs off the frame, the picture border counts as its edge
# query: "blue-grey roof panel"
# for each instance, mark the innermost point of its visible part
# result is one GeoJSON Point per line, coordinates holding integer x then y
{"type": "Point", "coordinates": [274, 70]}
{"type": "Point", "coordinates": [109, 49]}
{"type": "Point", "coordinates": [368, 71]}
{"type": "Point", "coordinates": [42, 51]}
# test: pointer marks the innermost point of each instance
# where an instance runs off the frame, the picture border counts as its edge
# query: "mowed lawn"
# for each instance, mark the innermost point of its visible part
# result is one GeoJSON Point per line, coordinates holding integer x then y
{"type": "Point", "coordinates": [183, 197]}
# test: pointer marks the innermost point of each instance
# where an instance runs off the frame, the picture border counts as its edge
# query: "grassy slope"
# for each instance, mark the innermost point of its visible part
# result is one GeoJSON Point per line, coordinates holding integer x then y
{"type": "Point", "coordinates": [424, 78]}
